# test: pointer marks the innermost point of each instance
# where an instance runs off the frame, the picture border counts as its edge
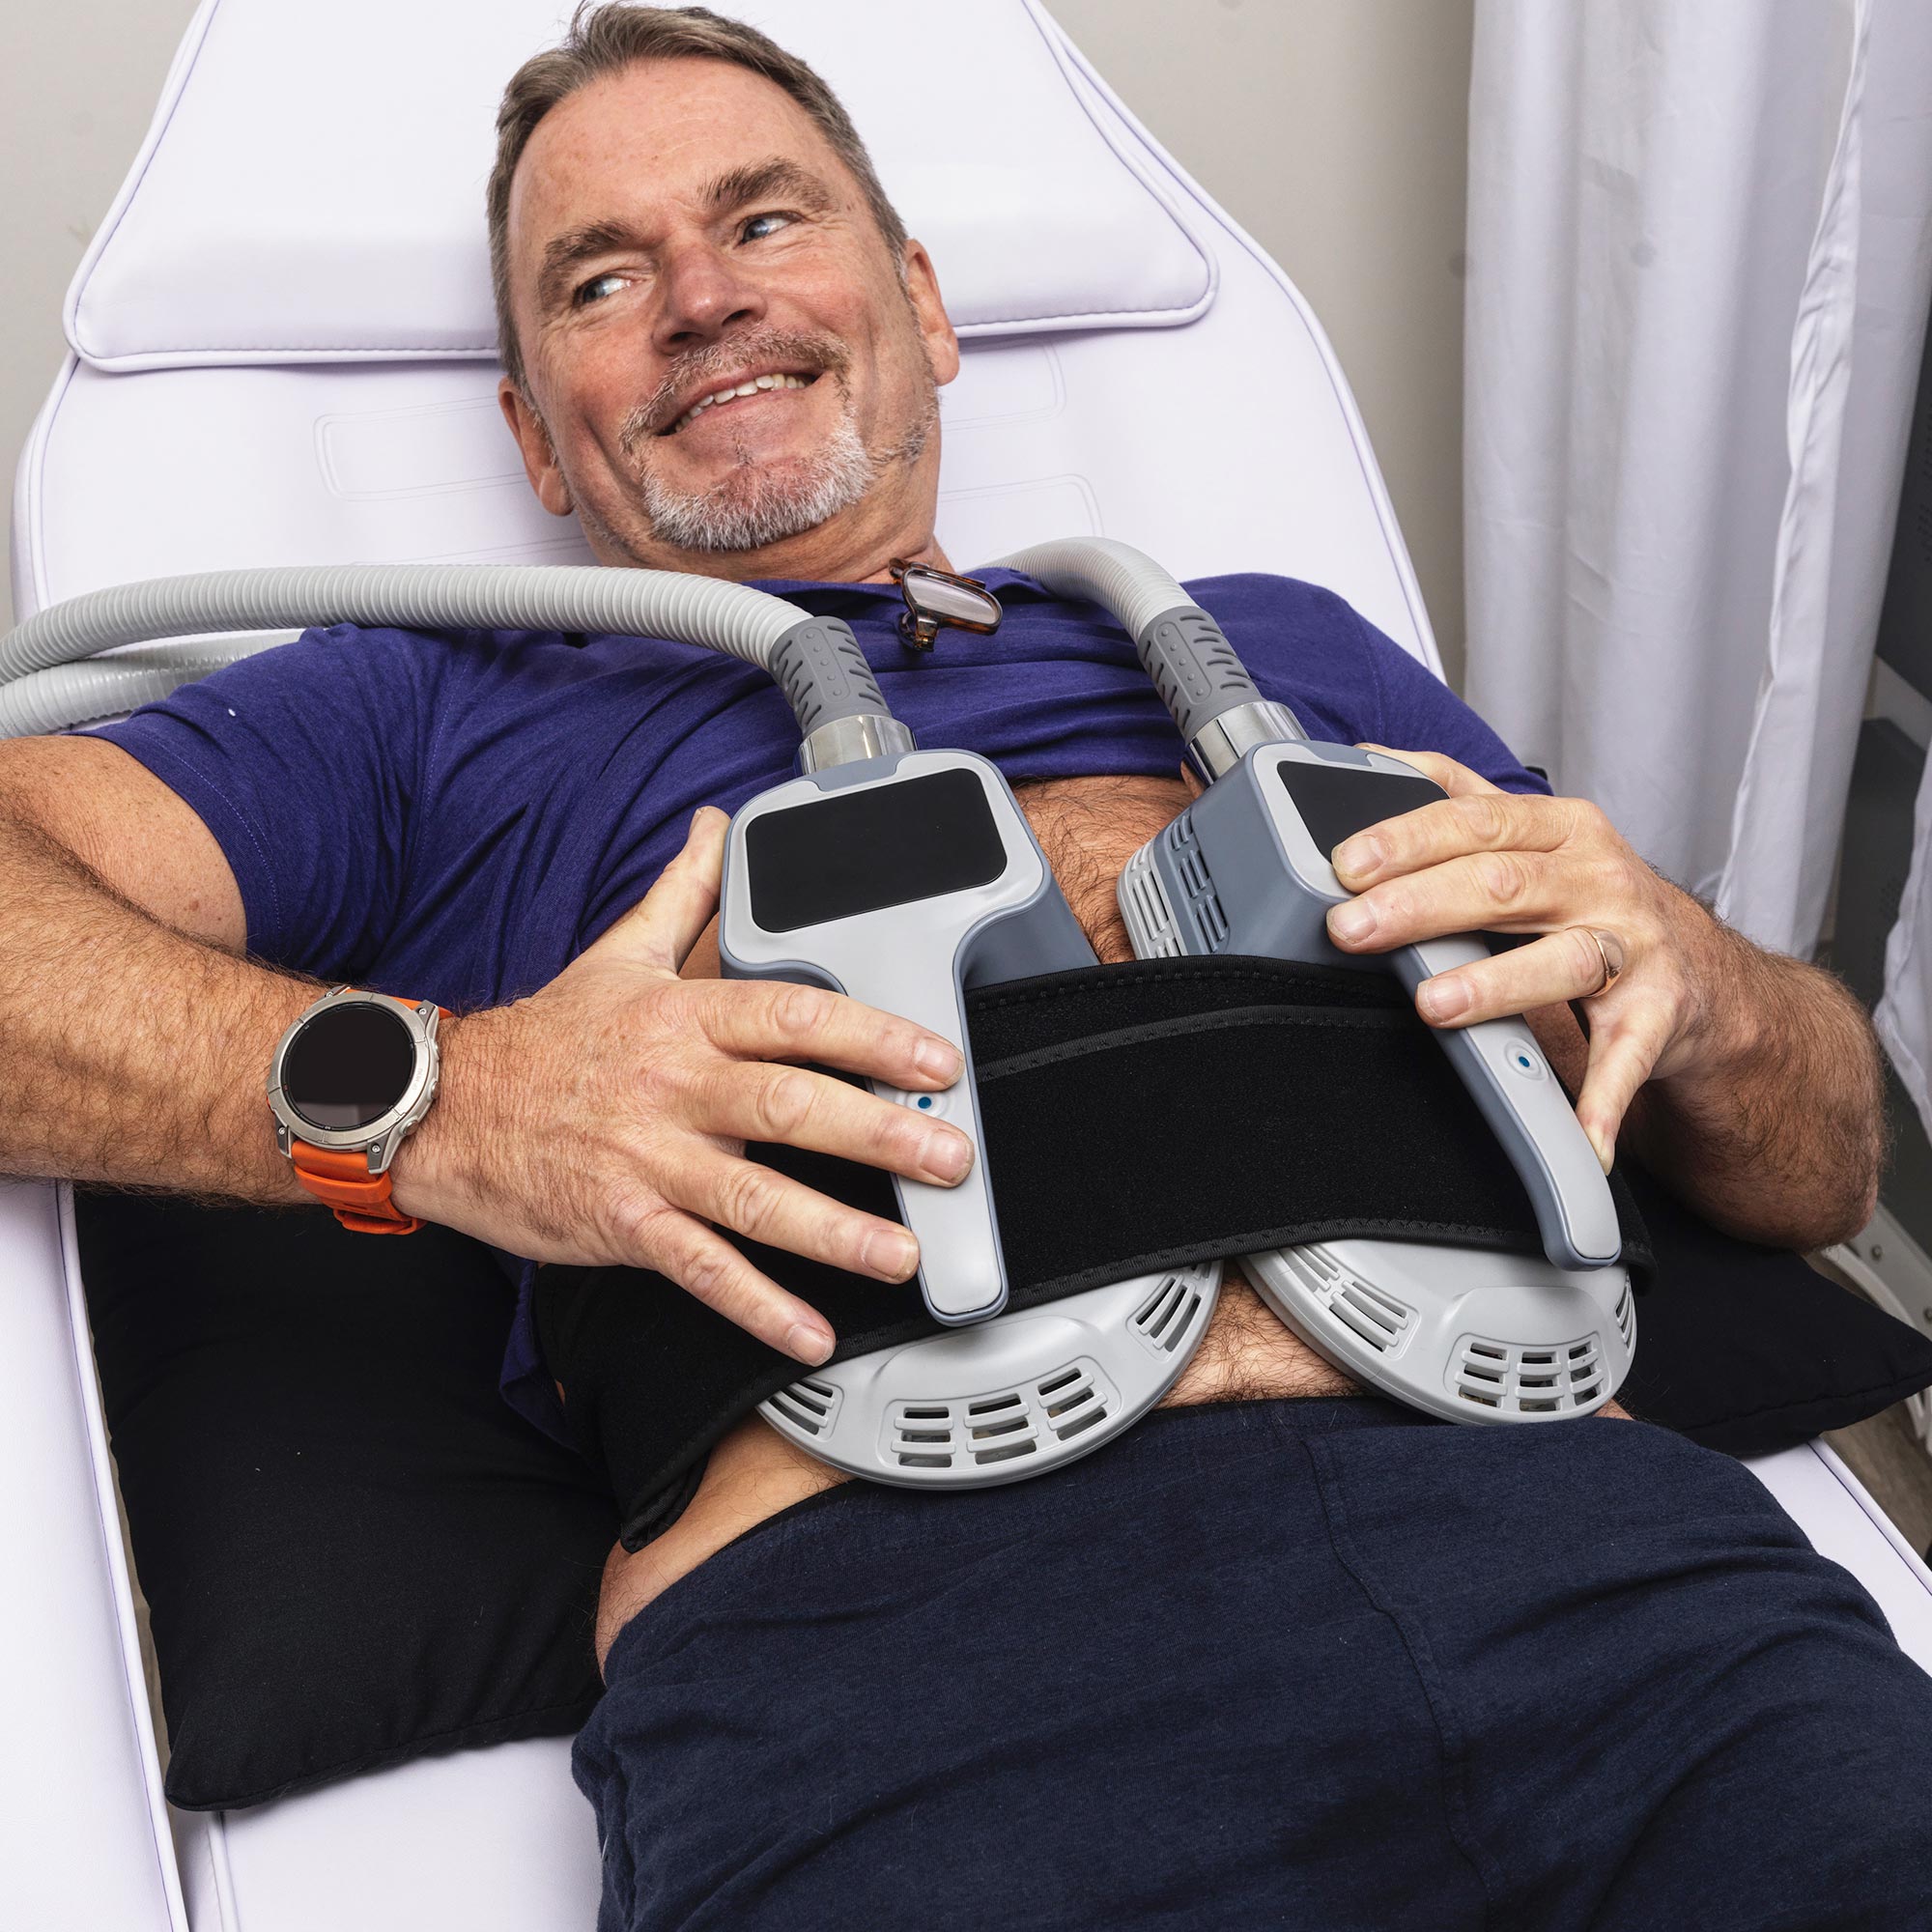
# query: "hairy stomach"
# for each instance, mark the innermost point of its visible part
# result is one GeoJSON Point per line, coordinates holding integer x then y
{"type": "Point", "coordinates": [1088, 828]}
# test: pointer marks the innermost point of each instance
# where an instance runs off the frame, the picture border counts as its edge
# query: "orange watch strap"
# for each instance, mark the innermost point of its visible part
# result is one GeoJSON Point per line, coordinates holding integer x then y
{"type": "Point", "coordinates": [341, 1180]}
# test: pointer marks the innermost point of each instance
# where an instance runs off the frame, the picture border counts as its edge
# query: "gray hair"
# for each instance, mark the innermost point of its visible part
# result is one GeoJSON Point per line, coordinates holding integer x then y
{"type": "Point", "coordinates": [605, 39]}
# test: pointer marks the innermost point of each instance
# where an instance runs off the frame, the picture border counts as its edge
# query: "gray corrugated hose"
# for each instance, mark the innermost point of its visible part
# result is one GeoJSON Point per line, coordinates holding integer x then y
{"type": "Point", "coordinates": [43, 686]}
{"type": "Point", "coordinates": [1193, 667]}
{"type": "Point", "coordinates": [84, 693]}
{"type": "Point", "coordinates": [1116, 575]}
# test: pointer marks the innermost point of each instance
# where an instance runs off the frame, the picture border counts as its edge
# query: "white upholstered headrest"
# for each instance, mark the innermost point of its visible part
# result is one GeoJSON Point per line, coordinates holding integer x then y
{"type": "Point", "coordinates": [312, 189]}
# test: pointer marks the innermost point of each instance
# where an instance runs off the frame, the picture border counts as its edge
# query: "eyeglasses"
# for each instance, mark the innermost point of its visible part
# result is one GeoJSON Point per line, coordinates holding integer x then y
{"type": "Point", "coordinates": [937, 598]}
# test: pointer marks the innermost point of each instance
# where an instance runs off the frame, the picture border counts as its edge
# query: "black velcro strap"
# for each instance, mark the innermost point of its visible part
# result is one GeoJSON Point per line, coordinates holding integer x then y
{"type": "Point", "coordinates": [1135, 1116]}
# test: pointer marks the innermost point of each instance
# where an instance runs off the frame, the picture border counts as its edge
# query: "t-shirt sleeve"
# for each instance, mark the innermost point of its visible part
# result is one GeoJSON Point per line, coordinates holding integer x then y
{"type": "Point", "coordinates": [1419, 713]}
{"type": "Point", "coordinates": [306, 763]}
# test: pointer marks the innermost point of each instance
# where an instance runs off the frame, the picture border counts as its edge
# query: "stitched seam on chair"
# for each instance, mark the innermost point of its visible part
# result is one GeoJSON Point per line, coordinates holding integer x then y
{"type": "Point", "coordinates": [1117, 132]}
{"type": "Point", "coordinates": [1171, 315]}
{"type": "Point", "coordinates": [151, 147]}
{"type": "Point", "coordinates": [1435, 1693]}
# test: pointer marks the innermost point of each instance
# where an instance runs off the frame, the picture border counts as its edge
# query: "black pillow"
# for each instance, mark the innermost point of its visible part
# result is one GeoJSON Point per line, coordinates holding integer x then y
{"type": "Point", "coordinates": [1748, 1350]}
{"type": "Point", "coordinates": [354, 1552]}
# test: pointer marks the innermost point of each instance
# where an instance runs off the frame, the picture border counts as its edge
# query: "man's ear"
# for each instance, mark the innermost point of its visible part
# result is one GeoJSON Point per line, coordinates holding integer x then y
{"type": "Point", "coordinates": [534, 439]}
{"type": "Point", "coordinates": [935, 326]}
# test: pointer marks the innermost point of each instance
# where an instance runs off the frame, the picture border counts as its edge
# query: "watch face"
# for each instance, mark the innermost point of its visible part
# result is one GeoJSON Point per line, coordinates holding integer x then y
{"type": "Point", "coordinates": [349, 1066]}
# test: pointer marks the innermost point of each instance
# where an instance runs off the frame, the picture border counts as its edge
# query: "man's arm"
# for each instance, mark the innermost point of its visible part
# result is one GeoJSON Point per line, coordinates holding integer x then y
{"type": "Point", "coordinates": [1777, 1108]}
{"type": "Point", "coordinates": [133, 1037]}
{"type": "Point", "coordinates": [600, 1121]}
{"type": "Point", "coordinates": [1748, 1082]}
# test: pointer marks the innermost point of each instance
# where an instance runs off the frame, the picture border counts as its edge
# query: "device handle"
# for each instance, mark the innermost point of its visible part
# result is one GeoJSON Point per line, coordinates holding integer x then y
{"type": "Point", "coordinates": [961, 1272]}
{"type": "Point", "coordinates": [1513, 1083]}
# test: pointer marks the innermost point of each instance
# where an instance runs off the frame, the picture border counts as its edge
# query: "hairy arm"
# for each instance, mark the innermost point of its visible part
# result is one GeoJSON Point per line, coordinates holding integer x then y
{"type": "Point", "coordinates": [603, 1120]}
{"type": "Point", "coordinates": [134, 1036]}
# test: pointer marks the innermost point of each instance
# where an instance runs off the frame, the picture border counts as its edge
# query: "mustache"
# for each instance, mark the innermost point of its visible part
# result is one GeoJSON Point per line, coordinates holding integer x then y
{"type": "Point", "coordinates": [812, 350]}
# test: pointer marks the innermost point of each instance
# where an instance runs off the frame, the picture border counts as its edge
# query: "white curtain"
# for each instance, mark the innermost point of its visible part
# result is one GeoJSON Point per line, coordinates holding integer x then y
{"type": "Point", "coordinates": [1905, 1013]}
{"type": "Point", "coordinates": [1698, 276]}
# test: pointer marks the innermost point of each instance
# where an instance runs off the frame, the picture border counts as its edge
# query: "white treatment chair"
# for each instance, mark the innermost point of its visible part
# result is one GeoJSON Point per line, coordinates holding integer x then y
{"type": "Point", "coordinates": [283, 351]}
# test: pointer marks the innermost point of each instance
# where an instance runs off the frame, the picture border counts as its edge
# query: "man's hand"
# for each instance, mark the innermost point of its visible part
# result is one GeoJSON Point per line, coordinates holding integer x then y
{"type": "Point", "coordinates": [1761, 1076]}
{"type": "Point", "coordinates": [604, 1118]}
{"type": "Point", "coordinates": [1486, 860]}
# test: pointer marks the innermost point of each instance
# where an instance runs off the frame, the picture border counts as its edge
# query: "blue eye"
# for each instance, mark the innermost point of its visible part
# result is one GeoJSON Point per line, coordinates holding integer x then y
{"type": "Point", "coordinates": [585, 295]}
{"type": "Point", "coordinates": [784, 221]}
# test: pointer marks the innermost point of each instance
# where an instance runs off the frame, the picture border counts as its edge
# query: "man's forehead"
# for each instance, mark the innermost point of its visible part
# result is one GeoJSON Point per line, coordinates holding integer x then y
{"type": "Point", "coordinates": [659, 136]}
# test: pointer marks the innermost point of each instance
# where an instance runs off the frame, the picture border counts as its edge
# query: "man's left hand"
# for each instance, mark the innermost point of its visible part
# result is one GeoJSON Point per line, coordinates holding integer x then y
{"type": "Point", "coordinates": [1486, 860]}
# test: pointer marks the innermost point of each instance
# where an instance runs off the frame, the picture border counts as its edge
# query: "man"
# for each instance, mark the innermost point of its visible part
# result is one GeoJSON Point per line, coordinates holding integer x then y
{"type": "Point", "coordinates": [1268, 1659]}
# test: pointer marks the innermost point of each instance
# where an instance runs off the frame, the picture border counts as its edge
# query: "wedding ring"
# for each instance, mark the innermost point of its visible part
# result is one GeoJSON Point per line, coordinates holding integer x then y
{"type": "Point", "coordinates": [1610, 950]}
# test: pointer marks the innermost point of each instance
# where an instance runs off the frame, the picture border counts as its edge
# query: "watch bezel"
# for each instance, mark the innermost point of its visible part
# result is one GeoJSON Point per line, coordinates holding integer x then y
{"type": "Point", "coordinates": [380, 1137]}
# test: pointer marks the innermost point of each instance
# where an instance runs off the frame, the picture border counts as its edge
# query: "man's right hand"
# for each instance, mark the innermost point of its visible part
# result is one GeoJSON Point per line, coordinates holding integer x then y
{"type": "Point", "coordinates": [604, 1118]}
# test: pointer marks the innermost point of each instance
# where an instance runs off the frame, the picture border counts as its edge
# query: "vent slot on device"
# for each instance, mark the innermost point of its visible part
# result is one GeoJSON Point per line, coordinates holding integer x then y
{"type": "Point", "coordinates": [811, 1406]}
{"type": "Point", "coordinates": [1168, 1316]}
{"type": "Point", "coordinates": [1370, 1313]}
{"type": "Point", "coordinates": [1537, 1379]}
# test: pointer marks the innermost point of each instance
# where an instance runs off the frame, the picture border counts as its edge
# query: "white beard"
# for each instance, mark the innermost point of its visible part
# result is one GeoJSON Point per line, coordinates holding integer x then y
{"type": "Point", "coordinates": [762, 503]}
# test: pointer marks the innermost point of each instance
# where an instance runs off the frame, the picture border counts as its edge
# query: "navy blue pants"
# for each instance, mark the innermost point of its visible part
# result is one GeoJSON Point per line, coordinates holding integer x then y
{"type": "Point", "coordinates": [1320, 1663]}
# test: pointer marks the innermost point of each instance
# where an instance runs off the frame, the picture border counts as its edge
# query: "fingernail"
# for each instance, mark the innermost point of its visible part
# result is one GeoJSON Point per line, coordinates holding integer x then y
{"type": "Point", "coordinates": [937, 1059]}
{"type": "Point", "coordinates": [1442, 999]}
{"type": "Point", "coordinates": [946, 1154]}
{"type": "Point", "coordinates": [1354, 921]}
{"type": "Point", "coordinates": [1360, 854]}
{"type": "Point", "coordinates": [889, 1253]}
{"type": "Point", "coordinates": [807, 1344]}
{"type": "Point", "coordinates": [1606, 1150]}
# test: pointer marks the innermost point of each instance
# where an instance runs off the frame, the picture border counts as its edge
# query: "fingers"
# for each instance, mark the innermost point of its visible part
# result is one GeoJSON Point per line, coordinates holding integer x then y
{"type": "Point", "coordinates": [1456, 779]}
{"type": "Point", "coordinates": [793, 1106]}
{"type": "Point", "coordinates": [704, 1264]}
{"type": "Point", "coordinates": [666, 922]}
{"type": "Point", "coordinates": [791, 1022]}
{"type": "Point", "coordinates": [781, 1213]}
{"type": "Point", "coordinates": [1551, 971]}
{"type": "Point", "coordinates": [679, 907]}
{"type": "Point", "coordinates": [1628, 1030]}
{"type": "Point", "coordinates": [1626, 1039]}
{"type": "Point", "coordinates": [1485, 821]}
{"type": "Point", "coordinates": [1499, 891]}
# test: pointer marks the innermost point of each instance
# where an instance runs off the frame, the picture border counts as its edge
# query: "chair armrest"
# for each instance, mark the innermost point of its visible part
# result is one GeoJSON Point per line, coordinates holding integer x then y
{"type": "Point", "coordinates": [1833, 1508]}
{"type": "Point", "coordinates": [83, 1829]}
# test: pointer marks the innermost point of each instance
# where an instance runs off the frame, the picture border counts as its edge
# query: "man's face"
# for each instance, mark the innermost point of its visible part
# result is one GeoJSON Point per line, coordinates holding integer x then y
{"type": "Point", "coordinates": [681, 231]}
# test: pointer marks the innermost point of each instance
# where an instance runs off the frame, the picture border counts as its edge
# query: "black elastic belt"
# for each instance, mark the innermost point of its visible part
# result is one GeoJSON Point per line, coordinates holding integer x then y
{"type": "Point", "coordinates": [1135, 1117]}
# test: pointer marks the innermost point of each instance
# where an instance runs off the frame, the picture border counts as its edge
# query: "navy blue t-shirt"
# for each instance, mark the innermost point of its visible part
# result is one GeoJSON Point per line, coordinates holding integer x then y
{"type": "Point", "coordinates": [456, 814]}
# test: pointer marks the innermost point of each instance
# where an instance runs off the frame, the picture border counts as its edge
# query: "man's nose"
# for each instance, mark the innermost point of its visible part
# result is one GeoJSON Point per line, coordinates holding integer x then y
{"type": "Point", "coordinates": [704, 294]}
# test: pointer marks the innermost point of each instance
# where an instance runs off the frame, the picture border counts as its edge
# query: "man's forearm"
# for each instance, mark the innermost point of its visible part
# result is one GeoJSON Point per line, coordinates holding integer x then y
{"type": "Point", "coordinates": [128, 1052]}
{"type": "Point", "coordinates": [1776, 1127]}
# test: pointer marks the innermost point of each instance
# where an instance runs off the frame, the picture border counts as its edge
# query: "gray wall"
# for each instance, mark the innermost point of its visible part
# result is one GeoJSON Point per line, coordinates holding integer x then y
{"type": "Point", "coordinates": [1332, 129]}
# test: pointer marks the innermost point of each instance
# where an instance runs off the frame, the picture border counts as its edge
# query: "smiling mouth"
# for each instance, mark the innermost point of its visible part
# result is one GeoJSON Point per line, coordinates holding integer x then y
{"type": "Point", "coordinates": [725, 394]}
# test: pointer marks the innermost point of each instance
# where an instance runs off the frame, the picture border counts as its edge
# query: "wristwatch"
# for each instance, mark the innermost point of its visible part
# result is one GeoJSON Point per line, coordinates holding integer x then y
{"type": "Point", "coordinates": [351, 1079]}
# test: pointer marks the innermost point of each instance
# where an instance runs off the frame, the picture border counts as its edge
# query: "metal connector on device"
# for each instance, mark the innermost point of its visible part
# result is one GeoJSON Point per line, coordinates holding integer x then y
{"type": "Point", "coordinates": [1221, 743]}
{"type": "Point", "coordinates": [845, 741]}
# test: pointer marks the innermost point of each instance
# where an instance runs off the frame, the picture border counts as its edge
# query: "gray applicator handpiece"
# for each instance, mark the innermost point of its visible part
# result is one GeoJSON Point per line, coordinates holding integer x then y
{"type": "Point", "coordinates": [1246, 870]}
